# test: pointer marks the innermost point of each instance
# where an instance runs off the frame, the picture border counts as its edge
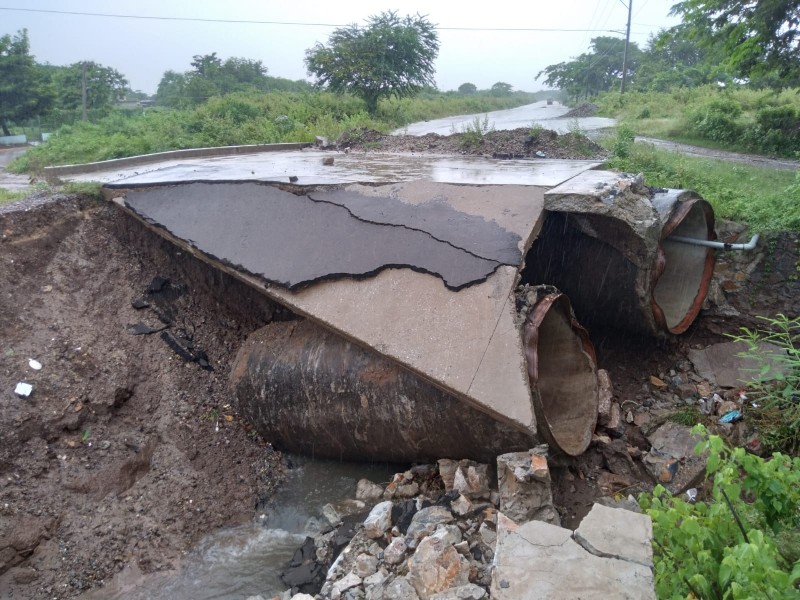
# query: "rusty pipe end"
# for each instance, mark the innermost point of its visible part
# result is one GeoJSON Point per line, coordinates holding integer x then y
{"type": "Point", "coordinates": [683, 272]}
{"type": "Point", "coordinates": [562, 370]}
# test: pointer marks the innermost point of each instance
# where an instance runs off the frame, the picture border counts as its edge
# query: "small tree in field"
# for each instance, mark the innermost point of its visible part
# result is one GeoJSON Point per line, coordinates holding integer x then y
{"type": "Point", "coordinates": [467, 88]}
{"type": "Point", "coordinates": [390, 56]}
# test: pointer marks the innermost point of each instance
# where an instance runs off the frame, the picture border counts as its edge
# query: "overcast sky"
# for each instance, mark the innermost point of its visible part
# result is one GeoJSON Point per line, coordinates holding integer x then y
{"type": "Point", "coordinates": [142, 49]}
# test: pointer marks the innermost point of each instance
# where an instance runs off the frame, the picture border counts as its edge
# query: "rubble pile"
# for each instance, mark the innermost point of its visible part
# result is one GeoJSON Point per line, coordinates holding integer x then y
{"type": "Point", "coordinates": [459, 530]}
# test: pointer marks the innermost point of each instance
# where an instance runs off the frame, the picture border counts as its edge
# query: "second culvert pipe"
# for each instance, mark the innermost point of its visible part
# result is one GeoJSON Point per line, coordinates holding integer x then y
{"type": "Point", "coordinates": [606, 242]}
{"type": "Point", "coordinates": [310, 391]}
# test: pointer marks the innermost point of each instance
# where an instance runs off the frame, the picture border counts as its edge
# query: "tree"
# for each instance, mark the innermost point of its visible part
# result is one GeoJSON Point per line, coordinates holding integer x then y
{"type": "Point", "coordinates": [759, 38]}
{"type": "Point", "coordinates": [390, 56]}
{"type": "Point", "coordinates": [467, 88]}
{"type": "Point", "coordinates": [104, 85]}
{"type": "Point", "coordinates": [501, 88]}
{"type": "Point", "coordinates": [24, 89]}
{"type": "Point", "coordinates": [599, 70]}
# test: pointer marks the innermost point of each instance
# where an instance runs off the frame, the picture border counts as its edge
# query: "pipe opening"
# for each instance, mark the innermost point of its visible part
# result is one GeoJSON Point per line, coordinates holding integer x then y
{"type": "Point", "coordinates": [563, 375]}
{"type": "Point", "coordinates": [682, 285]}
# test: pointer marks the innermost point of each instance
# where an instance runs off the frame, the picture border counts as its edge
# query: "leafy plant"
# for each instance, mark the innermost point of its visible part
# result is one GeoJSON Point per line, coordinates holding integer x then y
{"type": "Point", "coordinates": [472, 133]}
{"type": "Point", "coordinates": [775, 382]}
{"type": "Point", "coordinates": [726, 546]}
{"type": "Point", "coordinates": [623, 142]}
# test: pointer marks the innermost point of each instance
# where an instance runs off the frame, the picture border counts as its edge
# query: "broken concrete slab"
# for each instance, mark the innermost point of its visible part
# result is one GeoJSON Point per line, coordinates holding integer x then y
{"type": "Point", "coordinates": [721, 364]}
{"type": "Point", "coordinates": [672, 460]}
{"type": "Point", "coordinates": [293, 240]}
{"type": "Point", "coordinates": [466, 342]}
{"type": "Point", "coordinates": [523, 480]}
{"type": "Point", "coordinates": [307, 167]}
{"type": "Point", "coordinates": [539, 560]}
{"type": "Point", "coordinates": [603, 533]}
{"type": "Point", "coordinates": [421, 206]}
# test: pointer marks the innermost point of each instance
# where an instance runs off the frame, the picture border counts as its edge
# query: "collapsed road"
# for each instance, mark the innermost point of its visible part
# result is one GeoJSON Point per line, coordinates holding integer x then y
{"type": "Point", "coordinates": [427, 277]}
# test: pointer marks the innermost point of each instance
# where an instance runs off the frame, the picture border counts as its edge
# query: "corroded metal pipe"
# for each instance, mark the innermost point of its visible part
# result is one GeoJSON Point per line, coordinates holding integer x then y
{"type": "Point", "coordinates": [310, 391]}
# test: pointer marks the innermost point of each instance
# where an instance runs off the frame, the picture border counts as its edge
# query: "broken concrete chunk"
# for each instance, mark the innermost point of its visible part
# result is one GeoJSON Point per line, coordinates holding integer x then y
{"type": "Point", "coordinates": [607, 532]}
{"type": "Point", "coordinates": [722, 366]}
{"type": "Point", "coordinates": [367, 491]}
{"type": "Point", "coordinates": [435, 567]}
{"type": "Point", "coordinates": [426, 521]}
{"type": "Point", "coordinates": [464, 592]}
{"type": "Point", "coordinates": [525, 492]}
{"type": "Point", "coordinates": [395, 552]}
{"type": "Point", "coordinates": [562, 567]}
{"type": "Point", "coordinates": [366, 565]}
{"type": "Point", "coordinates": [674, 440]}
{"type": "Point", "coordinates": [379, 520]}
{"type": "Point", "coordinates": [399, 589]}
{"type": "Point", "coordinates": [350, 580]}
{"type": "Point", "coordinates": [605, 394]}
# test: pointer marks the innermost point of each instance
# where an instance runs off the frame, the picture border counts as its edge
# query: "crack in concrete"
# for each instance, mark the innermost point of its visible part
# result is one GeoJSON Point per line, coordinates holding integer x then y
{"type": "Point", "coordinates": [586, 545]}
{"type": "Point", "coordinates": [410, 228]}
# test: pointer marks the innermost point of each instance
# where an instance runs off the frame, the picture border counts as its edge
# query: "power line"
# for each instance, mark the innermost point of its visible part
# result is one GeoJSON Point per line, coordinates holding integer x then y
{"type": "Point", "coordinates": [294, 23]}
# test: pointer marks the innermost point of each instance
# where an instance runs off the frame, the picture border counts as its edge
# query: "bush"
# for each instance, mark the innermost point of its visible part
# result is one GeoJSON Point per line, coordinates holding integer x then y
{"type": "Point", "coordinates": [717, 120]}
{"type": "Point", "coordinates": [775, 383]}
{"type": "Point", "coordinates": [738, 543]}
{"type": "Point", "coordinates": [776, 131]}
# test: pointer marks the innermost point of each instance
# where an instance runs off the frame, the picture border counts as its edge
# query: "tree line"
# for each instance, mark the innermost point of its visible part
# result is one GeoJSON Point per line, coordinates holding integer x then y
{"type": "Point", "coordinates": [718, 41]}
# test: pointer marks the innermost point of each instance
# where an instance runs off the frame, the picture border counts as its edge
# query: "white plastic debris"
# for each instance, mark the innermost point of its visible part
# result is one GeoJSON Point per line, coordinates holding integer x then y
{"type": "Point", "coordinates": [34, 364]}
{"type": "Point", "coordinates": [23, 389]}
{"type": "Point", "coordinates": [691, 494]}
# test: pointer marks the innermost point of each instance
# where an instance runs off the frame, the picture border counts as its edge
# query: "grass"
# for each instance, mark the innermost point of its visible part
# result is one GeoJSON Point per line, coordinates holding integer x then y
{"type": "Point", "coordinates": [244, 119]}
{"type": "Point", "coordinates": [708, 116]}
{"type": "Point", "coordinates": [7, 196]}
{"type": "Point", "coordinates": [766, 199]}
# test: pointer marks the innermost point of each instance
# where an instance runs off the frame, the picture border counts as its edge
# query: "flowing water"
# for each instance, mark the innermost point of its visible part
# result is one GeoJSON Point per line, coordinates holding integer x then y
{"type": "Point", "coordinates": [237, 562]}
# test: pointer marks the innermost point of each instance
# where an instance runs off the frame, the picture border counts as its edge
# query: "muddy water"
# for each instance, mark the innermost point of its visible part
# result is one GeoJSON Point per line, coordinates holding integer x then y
{"type": "Point", "coordinates": [237, 562]}
{"type": "Point", "coordinates": [548, 116]}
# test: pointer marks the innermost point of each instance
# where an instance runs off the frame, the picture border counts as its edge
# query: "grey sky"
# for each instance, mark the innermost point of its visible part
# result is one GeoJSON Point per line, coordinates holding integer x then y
{"type": "Point", "coordinates": [143, 49]}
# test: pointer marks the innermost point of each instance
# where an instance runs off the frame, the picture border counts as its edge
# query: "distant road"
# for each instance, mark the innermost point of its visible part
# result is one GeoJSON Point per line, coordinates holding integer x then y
{"type": "Point", "coordinates": [548, 116]}
{"type": "Point", "coordinates": [783, 164]}
{"type": "Point", "coordinates": [10, 181]}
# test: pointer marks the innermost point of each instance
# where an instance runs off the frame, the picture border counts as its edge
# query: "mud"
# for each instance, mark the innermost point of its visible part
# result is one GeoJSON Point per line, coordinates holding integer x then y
{"type": "Point", "coordinates": [124, 452]}
{"type": "Point", "coordinates": [514, 143]}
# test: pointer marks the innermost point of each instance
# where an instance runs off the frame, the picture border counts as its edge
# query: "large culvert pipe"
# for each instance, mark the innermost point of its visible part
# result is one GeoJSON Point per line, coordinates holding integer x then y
{"type": "Point", "coordinates": [310, 391]}
{"type": "Point", "coordinates": [606, 243]}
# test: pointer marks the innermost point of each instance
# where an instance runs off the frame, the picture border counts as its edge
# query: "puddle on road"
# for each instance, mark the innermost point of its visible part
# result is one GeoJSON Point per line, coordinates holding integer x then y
{"type": "Point", "coordinates": [237, 562]}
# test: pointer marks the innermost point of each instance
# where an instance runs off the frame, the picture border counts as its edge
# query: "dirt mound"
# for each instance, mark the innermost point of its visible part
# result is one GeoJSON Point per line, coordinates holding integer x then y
{"type": "Point", "coordinates": [587, 109]}
{"type": "Point", "coordinates": [124, 451]}
{"type": "Point", "coordinates": [515, 143]}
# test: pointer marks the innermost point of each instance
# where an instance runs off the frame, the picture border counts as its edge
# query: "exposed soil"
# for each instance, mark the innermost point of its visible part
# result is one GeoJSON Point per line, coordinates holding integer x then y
{"type": "Point", "coordinates": [514, 143]}
{"type": "Point", "coordinates": [587, 109]}
{"type": "Point", "coordinates": [124, 451]}
{"type": "Point", "coordinates": [128, 451]}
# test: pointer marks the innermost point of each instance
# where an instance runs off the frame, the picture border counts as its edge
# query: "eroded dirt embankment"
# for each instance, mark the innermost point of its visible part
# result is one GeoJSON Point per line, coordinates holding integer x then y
{"type": "Point", "coordinates": [124, 451]}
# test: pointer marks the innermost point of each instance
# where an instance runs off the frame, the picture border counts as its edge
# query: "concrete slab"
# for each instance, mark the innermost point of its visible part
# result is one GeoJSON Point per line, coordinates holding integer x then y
{"type": "Point", "coordinates": [539, 560]}
{"type": "Point", "coordinates": [603, 533]}
{"type": "Point", "coordinates": [722, 366]}
{"type": "Point", "coordinates": [354, 167]}
{"type": "Point", "coordinates": [294, 240]}
{"type": "Point", "coordinates": [465, 342]}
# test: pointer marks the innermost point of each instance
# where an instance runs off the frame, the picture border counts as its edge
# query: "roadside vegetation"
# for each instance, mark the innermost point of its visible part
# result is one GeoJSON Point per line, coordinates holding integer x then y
{"type": "Point", "coordinates": [7, 196]}
{"type": "Point", "coordinates": [764, 198]}
{"type": "Point", "coordinates": [247, 118]}
{"type": "Point", "coordinates": [737, 118]}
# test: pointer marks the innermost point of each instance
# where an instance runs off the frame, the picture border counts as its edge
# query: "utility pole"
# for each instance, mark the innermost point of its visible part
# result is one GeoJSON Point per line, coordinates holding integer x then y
{"type": "Point", "coordinates": [83, 89]}
{"type": "Point", "coordinates": [625, 56]}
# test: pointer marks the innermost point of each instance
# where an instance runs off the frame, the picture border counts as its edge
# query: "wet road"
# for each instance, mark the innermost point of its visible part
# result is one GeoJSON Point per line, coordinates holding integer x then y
{"type": "Point", "coordinates": [10, 181]}
{"type": "Point", "coordinates": [549, 117]}
{"type": "Point", "coordinates": [307, 166]}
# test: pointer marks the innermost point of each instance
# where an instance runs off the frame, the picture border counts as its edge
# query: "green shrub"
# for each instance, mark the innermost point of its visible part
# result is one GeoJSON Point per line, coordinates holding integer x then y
{"type": "Point", "coordinates": [727, 546]}
{"type": "Point", "coordinates": [776, 131]}
{"type": "Point", "coordinates": [775, 382]}
{"type": "Point", "coordinates": [717, 120]}
{"type": "Point", "coordinates": [623, 142]}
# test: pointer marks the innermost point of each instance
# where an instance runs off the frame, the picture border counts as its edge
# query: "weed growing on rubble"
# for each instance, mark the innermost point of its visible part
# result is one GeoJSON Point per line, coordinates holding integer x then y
{"type": "Point", "coordinates": [741, 540]}
{"type": "Point", "coordinates": [472, 133]}
{"type": "Point", "coordinates": [775, 383]}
